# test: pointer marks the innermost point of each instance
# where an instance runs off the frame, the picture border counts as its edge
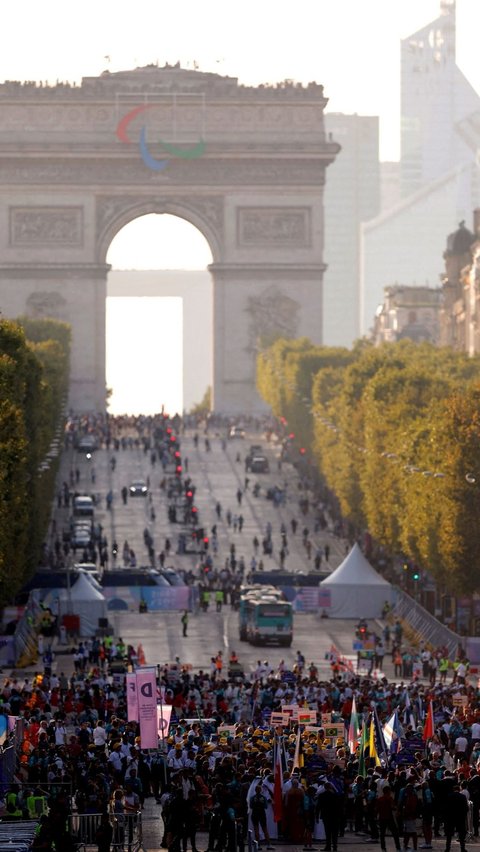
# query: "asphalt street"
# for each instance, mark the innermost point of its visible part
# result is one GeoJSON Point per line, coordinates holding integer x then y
{"type": "Point", "coordinates": [218, 474]}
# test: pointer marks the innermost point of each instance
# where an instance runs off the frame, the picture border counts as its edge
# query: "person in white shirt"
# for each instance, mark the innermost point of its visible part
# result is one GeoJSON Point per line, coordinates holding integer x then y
{"type": "Point", "coordinates": [60, 734]}
{"type": "Point", "coordinates": [99, 735]}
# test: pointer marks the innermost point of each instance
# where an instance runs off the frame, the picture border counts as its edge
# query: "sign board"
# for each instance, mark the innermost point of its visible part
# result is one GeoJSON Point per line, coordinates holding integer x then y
{"type": "Point", "coordinates": [306, 717]}
{"type": "Point", "coordinates": [280, 719]}
{"type": "Point", "coordinates": [460, 701]}
{"type": "Point", "coordinates": [326, 718]}
{"type": "Point", "coordinates": [330, 756]}
{"type": "Point", "coordinates": [290, 709]}
{"type": "Point", "coordinates": [335, 731]}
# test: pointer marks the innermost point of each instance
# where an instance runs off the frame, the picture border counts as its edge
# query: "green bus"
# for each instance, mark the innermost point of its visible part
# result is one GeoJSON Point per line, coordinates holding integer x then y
{"type": "Point", "coordinates": [269, 621]}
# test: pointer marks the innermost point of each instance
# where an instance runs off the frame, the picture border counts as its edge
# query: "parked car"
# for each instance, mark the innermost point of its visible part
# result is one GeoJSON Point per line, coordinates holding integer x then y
{"type": "Point", "coordinates": [87, 444]}
{"type": "Point", "coordinates": [138, 488]}
{"type": "Point", "coordinates": [83, 506]}
{"type": "Point", "coordinates": [236, 432]}
{"type": "Point", "coordinates": [81, 537]}
{"type": "Point", "coordinates": [259, 464]}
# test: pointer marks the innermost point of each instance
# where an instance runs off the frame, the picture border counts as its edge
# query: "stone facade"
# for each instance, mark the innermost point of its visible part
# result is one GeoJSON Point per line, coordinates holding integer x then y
{"type": "Point", "coordinates": [245, 165]}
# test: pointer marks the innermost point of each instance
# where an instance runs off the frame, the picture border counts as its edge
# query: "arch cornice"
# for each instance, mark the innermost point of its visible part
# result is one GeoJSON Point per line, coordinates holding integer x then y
{"type": "Point", "coordinates": [205, 212]}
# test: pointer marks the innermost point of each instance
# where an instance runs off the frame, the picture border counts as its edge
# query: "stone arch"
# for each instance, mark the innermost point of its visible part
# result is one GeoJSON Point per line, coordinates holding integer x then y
{"type": "Point", "coordinates": [114, 213]}
{"type": "Point", "coordinates": [73, 172]}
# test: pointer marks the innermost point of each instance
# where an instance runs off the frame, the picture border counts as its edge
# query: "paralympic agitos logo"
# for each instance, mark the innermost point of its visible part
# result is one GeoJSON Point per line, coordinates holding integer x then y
{"type": "Point", "coordinates": [122, 133]}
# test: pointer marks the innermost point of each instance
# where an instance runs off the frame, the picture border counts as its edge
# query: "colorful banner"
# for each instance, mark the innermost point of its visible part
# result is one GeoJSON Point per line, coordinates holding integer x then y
{"type": "Point", "coordinates": [147, 707]}
{"type": "Point", "coordinates": [164, 712]}
{"type": "Point", "coordinates": [132, 700]}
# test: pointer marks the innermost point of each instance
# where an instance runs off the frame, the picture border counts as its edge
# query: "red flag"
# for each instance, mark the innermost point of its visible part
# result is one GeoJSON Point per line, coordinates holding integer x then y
{"type": "Point", "coordinates": [428, 729]}
{"type": "Point", "coordinates": [277, 786]}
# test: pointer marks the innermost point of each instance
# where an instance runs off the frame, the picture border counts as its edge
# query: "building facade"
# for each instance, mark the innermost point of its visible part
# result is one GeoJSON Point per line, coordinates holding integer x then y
{"type": "Point", "coordinates": [439, 174]}
{"type": "Point", "coordinates": [352, 196]}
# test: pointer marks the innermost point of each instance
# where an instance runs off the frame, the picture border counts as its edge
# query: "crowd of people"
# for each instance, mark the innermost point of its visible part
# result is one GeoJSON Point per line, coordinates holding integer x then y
{"type": "Point", "coordinates": [215, 771]}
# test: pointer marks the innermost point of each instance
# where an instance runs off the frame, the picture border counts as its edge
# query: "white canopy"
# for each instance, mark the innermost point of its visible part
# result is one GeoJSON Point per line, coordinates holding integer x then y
{"type": "Point", "coordinates": [85, 601]}
{"type": "Point", "coordinates": [356, 590]}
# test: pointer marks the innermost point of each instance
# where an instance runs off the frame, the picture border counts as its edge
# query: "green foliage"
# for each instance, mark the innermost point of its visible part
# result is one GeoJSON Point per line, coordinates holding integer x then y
{"type": "Point", "coordinates": [203, 407]}
{"type": "Point", "coordinates": [33, 384]}
{"type": "Point", "coordinates": [392, 431]}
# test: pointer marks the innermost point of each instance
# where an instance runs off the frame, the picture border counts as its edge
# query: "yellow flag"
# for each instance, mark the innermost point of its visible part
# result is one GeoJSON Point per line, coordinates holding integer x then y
{"type": "Point", "coordinates": [371, 744]}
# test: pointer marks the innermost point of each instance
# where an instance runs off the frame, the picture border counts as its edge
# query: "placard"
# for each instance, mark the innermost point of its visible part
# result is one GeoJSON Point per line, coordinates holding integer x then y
{"type": "Point", "coordinates": [306, 717]}
{"type": "Point", "coordinates": [291, 709]}
{"type": "Point", "coordinates": [227, 730]}
{"type": "Point", "coordinates": [335, 731]}
{"type": "Point", "coordinates": [277, 718]}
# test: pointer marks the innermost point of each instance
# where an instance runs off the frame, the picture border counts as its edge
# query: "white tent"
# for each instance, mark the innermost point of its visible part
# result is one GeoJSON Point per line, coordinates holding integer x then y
{"type": "Point", "coordinates": [356, 590]}
{"type": "Point", "coordinates": [86, 602]}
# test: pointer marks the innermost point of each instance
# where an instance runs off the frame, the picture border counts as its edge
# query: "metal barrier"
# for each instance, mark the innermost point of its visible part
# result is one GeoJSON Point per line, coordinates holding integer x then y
{"type": "Point", "coordinates": [127, 831]}
{"type": "Point", "coordinates": [425, 624]}
{"type": "Point", "coordinates": [252, 843]}
{"type": "Point", "coordinates": [8, 764]}
{"type": "Point", "coordinates": [17, 836]}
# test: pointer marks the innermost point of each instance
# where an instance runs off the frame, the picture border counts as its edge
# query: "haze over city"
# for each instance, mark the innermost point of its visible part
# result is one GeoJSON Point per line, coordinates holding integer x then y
{"type": "Point", "coordinates": [352, 48]}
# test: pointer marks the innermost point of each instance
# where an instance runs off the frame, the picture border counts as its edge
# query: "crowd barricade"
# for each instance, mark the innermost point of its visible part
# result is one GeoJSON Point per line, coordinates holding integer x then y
{"type": "Point", "coordinates": [26, 633]}
{"type": "Point", "coordinates": [17, 837]}
{"type": "Point", "coordinates": [252, 843]}
{"type": "Point", "coordinates": [8, 764]}
{"type": "Point", "coordinates": [127, 831]}
{"type": "Point", "coordinates": [427, 627]}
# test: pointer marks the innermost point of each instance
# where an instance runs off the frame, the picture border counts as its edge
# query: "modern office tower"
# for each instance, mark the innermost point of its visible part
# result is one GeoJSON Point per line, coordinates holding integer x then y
{"type": "Point", "coordinates": [352, 196]}
{"type": "Point", "coordinates": [439, 171]}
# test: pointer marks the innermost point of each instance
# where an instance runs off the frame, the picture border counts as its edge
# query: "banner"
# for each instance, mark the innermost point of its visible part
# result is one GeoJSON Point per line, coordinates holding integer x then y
{"type": "Point", "coordinates": [132, 701]}
{"type": "Point", "coordinates": [164, 712]}
{"type": "Point", "coordinates": [226, 730]}
{"type": "Point", "coordinates": [147, 707]}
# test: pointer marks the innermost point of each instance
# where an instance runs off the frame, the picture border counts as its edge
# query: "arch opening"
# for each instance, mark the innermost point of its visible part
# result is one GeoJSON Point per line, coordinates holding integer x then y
{"type": "Point", "coordinates": [158, 316]}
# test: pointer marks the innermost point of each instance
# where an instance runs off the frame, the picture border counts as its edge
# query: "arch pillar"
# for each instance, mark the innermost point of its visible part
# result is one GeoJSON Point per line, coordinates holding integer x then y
{"type": "Point", "coordinates": [253, 304]}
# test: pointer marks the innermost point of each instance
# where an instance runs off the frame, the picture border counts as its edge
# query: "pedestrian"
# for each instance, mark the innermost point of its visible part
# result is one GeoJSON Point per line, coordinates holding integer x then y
{"type": "Point", "coordinates": [239, 496]}
{"type": "Point", "coordinates": [326, 551]}
{"type": "Point", "coordinates": [258, 809]}
{"type": "Point", "coordinates": [410, 810]}
{"type": "Point", "coordinates": [124, 495]}
{"type": "Point", "coordinates": [184, 620]}
{"type": "Point", "coordinates": [386, 812]}
{"type": "Point", "coordinates": [455, 816]}
{"type": "Point", "coordinates": [329, 805]}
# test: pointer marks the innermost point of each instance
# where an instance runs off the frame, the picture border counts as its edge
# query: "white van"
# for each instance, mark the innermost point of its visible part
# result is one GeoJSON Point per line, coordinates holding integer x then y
{"type": "Point", "coordinates": [83, 506]}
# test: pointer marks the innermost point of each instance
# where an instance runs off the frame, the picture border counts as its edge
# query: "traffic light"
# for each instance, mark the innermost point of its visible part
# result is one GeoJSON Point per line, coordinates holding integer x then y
{"type": "Point", "coordinates": [416, 574]}
{"type": "Point", "coordinates": [302, 451]}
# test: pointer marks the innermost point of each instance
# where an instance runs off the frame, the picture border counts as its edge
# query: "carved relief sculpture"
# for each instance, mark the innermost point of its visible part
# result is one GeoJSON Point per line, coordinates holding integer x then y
{"type": "Point", "coordinates": [60, 226]}
{"type": "Point", "coordinates": [274, 226]}
{"type": "Point", "coordinates": [272, 314]}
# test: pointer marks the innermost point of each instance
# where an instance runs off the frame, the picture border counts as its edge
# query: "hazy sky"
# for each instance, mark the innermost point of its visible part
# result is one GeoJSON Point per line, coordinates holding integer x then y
{"type": "Point", "coordinates": [350, 46]}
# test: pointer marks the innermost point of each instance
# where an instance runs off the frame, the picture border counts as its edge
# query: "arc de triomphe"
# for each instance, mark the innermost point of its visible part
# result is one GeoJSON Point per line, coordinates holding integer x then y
{"type": "Point", "coordinates": [245, 165]}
